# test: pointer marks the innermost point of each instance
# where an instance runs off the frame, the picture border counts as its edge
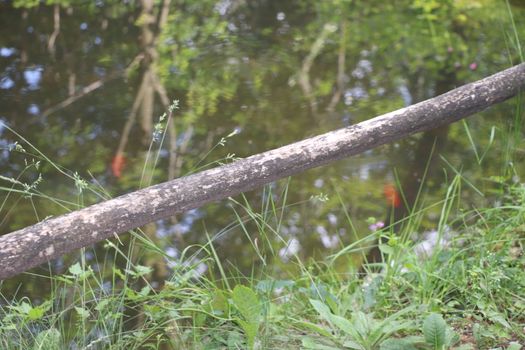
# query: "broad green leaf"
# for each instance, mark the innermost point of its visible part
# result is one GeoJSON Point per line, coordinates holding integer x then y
{"type": "Point", "coordinates": [75, 270]}
{"type": "Point", "coordinates": [78, 272]}
{"type": "Point", "coordinates": [249, 306]}
{"type": "Point", "coordinates": [386, 249]}
{"type": "Point", "coordinates": [49, 339]}
{"type": "Point", "coordinates": [33, 313]}
{"type": "Point", "coordinates": [142, 270]}
{"type": "Point", "coordinates": [250, 330]}
{"type": "Point", "coordinates": [309, 343]}
{"type": "Point", "coordinates": [131, 294]}
{"type": "Point", "coordinates": [398, 344]}
{"type": "Point", "coordinates": [319, 329]}
{"type": "Point", "coordinates": [342, 323]}
{"type": "Point", "coordinates": [322, 309]}
{"type": "Point", "coordinates": [22, 308]}
{"type": "Point", "coordinates": [83, 313]}
{"type": "Point", "coordinates": [451, 337]}
{"type": "Point", "coordinates": [498, 318]}
{"type": "Point", "coordinates": [362, 323]}
{"type": "Point", "coordinates": [101, 305]}
{"type": "Point", "coordinates": [36, 313]}
{"type": "Point", "coordinates": [434, 330]}
{"type": "Point", "coordinates": [219, 304]}
{"type": "Point", "coordinates": [514, 346]}
{"type": "Point", "coordinates": [247, 302]}
{"type": "Point", "coordinates": [381, 330]}
{"type": "Point", "coordinates": [119, 273]}
{"type": "Point", "coordinates": [353, 345]}
{"type": "Point", "coordinates": [145, 291]}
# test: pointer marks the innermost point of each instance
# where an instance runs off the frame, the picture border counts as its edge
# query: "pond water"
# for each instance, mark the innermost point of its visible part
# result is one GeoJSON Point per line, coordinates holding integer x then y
{"type": "Point", "coordinates": [85, 86]}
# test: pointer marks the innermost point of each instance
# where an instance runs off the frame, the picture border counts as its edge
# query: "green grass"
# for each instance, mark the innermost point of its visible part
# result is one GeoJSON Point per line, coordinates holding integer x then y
{"type": "Point", "coordinates": [467, 295]}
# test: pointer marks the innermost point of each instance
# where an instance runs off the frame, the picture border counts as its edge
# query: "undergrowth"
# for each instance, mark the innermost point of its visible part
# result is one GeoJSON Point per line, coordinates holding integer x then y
{"type": "Point", "coordinates": [467, 293]}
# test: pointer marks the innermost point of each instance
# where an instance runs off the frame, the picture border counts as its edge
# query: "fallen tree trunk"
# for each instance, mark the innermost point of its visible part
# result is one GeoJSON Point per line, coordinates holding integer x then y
{"type": "Point", "coordinates": [33, 245]}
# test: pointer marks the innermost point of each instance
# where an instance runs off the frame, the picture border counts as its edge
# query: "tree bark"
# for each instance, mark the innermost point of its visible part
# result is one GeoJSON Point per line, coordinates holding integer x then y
{"type": "Point", "coordinates": [33, 245]}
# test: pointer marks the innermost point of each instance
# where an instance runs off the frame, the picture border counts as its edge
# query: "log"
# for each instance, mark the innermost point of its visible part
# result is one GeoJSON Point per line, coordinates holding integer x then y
{"type": "Point", "coordinates": [49, 239]}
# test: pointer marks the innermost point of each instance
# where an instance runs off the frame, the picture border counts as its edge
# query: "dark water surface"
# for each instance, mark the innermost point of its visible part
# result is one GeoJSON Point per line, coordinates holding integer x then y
{"type": "Point", "coordinates": [260, 75]}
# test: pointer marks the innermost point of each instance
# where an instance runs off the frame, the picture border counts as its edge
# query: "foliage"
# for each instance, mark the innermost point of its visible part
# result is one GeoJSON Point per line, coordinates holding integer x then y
{"type": "Point", "coordinates": [364, 332]}
{"type": "Point", "coordinates": [249, 306]}
{"type": "Point", "coordinates": [445, 301]}
{"type": "Point", "coordinates": [436, 333]}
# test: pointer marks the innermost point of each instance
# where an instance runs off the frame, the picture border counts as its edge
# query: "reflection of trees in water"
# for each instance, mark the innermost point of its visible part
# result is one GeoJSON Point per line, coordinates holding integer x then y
{"type": "Point", "coordinates": [276, 69]}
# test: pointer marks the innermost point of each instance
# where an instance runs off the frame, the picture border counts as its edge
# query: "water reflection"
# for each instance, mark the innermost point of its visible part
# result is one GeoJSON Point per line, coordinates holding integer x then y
{"type": "Point", "coordinates": [293, 246]}
{"type": "Point", "coordinates": [7, 51]}
{"type": "Point", "coordinates": [33, 109]}
{"type": "Point", "coordinates": [6, 83]}
{"type": "Point", "coordinates": [33, 76]}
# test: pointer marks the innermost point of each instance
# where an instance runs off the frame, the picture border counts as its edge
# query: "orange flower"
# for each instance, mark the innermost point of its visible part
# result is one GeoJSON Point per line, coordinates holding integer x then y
{"type": "Point", "coordinates": [117, 164]}
{"type": "Point", "coordinates": [392, 195]}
